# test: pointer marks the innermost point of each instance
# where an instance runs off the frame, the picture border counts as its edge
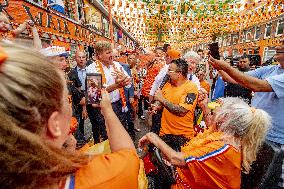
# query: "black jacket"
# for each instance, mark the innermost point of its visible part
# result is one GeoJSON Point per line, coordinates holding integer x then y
{"type": "Point", "coordinates": [74, 87]}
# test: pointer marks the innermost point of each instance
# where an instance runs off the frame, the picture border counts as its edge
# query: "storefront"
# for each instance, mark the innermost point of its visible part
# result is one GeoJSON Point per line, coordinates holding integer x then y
{"type": "Point", "coordinates": [73, 24]}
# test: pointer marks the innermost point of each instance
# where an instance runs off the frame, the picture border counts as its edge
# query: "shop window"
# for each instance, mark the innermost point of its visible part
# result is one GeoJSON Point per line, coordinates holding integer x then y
{"type": "Point", "coordinates": [268, 53]}
{"type": "Point", "coordinates": [71, 9]}
{"type": "Point", "coordinates": [81, 15]}
{"type": "Point", "coordinates": [37, 2]}
{"type": "Point", "coordinates": [106, 29]}
{"type": "Point", "coordinates": [257, 33]}
{"type": "Point", "coordinates": [280, 27]}
{"type": "Point", "coordinates": [268, 29]}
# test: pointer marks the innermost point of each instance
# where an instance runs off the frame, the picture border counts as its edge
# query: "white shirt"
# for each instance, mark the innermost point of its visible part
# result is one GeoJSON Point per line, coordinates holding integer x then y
{"type": "Point", "coordinates": [110, 80]}
{"type": "Point", "coordinates": [194, 80]}
{"type": "Point", "coordinates": [159, 78]}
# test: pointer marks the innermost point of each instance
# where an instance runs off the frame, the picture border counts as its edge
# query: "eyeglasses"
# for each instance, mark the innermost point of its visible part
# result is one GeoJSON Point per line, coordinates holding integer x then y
{"type": "Point", "coordinates": [172, 71]}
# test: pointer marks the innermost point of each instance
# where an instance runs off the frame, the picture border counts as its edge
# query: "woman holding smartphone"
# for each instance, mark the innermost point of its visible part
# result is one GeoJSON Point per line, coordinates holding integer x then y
{"type": "Point", "coordinates": [35, 123]}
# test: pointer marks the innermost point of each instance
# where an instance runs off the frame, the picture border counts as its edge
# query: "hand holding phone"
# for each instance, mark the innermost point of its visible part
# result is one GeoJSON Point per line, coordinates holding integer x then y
{"type": "Point", "coordinates": [94, 87]}
{"type": "Point", "coordinates": [214, 50]}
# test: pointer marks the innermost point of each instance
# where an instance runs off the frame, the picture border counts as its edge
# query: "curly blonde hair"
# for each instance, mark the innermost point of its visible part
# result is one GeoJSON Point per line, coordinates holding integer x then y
{"type": "Point", "coordinates": [31, 89]}
{"type": "Point", "coordinates": [250, 125]}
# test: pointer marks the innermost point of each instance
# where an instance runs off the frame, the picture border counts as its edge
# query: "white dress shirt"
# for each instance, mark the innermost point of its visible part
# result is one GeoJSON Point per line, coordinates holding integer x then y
{"type": "Point", "coordinates": [158, 79]}
{"type": "Point", "coordinates": [110, 79]}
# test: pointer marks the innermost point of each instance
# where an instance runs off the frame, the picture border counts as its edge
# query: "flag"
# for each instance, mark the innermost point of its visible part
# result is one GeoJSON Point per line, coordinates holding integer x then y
{"type": "Point", "coordinates": [57, 5]}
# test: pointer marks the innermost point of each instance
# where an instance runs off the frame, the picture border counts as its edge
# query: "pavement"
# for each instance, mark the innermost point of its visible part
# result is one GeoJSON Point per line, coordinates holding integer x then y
{"type": "Point", "coordinates": [143, 125]}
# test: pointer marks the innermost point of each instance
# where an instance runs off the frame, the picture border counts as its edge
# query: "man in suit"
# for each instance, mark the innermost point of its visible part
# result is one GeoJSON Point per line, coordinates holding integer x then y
{"type": "Point", "coordinates": [78, 75]}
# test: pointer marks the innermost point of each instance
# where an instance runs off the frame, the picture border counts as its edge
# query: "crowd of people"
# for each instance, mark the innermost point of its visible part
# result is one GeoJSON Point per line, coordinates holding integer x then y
{"type": "Point", "coordinates": [42, 94]}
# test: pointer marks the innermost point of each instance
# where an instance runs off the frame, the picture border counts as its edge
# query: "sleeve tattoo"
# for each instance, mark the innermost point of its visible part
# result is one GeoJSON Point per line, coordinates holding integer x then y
{"type": "Point", "coordinates": [174, 108]}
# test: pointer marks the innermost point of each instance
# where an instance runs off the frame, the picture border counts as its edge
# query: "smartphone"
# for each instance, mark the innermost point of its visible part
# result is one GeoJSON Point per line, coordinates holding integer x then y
{"type": "Point", "coordinates": [93, 88]}
{"type": "Point", "coordinates": [214, 50]}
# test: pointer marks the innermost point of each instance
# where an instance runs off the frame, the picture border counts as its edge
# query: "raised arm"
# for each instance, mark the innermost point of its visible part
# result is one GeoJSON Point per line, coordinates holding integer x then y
{"type": "Point", "coordinates": [118, 137]}
{"type": "Point", "coordinates": [226, 77]}
{"type": "Point", "coordinates": [37, 41]}
{"type": "Point", "coordinates": [252, 83]}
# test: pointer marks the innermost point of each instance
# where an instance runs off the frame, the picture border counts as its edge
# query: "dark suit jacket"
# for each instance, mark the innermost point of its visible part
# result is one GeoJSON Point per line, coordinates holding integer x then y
{"type": "Point", "coordinates": [73, 76]}
{"type": "Point", "coordinates": [128, 92]}
{"type": "Point", "coordinates": [75, 91]}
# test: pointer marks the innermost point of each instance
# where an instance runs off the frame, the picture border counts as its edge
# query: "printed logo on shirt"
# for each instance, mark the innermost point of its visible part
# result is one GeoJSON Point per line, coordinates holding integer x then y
{"type": "Point", "coordinates": [190, 98]}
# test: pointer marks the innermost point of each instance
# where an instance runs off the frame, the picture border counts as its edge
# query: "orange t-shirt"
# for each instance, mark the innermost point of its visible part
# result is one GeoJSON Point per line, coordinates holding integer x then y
{"type": "Point", "coordinates": [185, 96]}
{"type": "Point", "coordinates": [205, 85]}
{"type": "Point", "coordinates": [210, 164]}
{"type": "Point", "coordinates": [114, 171]}
{"type": "Point", "coordinates": [150, 78]}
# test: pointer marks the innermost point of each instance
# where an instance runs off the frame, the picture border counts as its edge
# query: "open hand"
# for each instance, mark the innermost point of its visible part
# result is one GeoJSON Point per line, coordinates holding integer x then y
{"type": "Point", "coordinates": [120, 78]}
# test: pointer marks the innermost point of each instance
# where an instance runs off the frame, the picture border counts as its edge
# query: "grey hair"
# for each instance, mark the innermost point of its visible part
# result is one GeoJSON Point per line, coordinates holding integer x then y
{"type": "Point", "coordinates": [192, 55]}
{"type": "Point", "coordinates": [249, 124]}
{"type": "Point", "coordinates": [235, 117]}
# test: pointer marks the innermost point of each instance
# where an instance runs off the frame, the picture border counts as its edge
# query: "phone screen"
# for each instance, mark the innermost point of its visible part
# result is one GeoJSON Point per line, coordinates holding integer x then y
{"type": "Point", "coordinates": [214, 50]}
{"type": "Point", "coordinates": [94, 86]}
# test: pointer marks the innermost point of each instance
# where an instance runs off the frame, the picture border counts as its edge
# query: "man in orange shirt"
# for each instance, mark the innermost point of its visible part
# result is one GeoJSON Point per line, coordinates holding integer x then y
{"type": "Point", "coordinates": [178, 96]}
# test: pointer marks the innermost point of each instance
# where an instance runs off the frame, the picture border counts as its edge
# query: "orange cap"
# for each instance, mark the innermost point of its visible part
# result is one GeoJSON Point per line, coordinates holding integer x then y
{"type": "Point", "coordinates": [175, 54]}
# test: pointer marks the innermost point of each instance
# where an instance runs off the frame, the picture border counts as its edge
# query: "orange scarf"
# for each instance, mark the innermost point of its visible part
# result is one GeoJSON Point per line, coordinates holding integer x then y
{"type": "Point", "coordinates": [121, 90]}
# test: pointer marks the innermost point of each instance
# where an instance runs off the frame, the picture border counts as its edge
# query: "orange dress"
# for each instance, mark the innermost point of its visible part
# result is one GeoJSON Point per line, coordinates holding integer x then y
{"type": "Point", "coordinates": [205, 85]}
{"type": "Point", "coordinates": [150, 78]}
{"type": "Point", "coordinates": [185, 96]}
{"type": "Point", "coordinates": [118, 170]}
{"type": "Point", "coordinates": [210, 164]}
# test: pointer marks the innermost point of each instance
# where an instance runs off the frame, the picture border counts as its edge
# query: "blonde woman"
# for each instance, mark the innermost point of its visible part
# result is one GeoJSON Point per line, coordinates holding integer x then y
{"type": "Point", "coordinates": [35, 122]}
{"type": "Point", "coordinates": [215, 158]}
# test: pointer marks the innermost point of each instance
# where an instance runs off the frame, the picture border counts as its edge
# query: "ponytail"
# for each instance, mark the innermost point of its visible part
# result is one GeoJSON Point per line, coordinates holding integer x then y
{"type": "Point", "coordinates": [238, 119]}
{"type": "Point", "coordinates": [254, 137]}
